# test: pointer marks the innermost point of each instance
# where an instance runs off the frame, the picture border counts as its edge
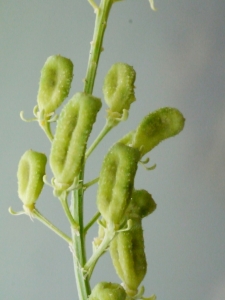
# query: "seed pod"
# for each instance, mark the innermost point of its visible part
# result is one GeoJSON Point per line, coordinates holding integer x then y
{"type": "Point", "coordinates": [118, 87]}
{"type": "Point", "coordinates": [128, 257]}
{"type": "Point", "coordinates": [154, 128]}
{"type": "Point", "coordinates": [107, 291]}
{"type": "Point", "coordinates": [55, 82]}
{"type": "Point", "coordinates": [73, 129]}
{"type": "Point", "coordinates": [30, 174]}
{"type": "Point", "coordinates": [116, 182]}
{"type": "Point", "coordinates": [141, 205]}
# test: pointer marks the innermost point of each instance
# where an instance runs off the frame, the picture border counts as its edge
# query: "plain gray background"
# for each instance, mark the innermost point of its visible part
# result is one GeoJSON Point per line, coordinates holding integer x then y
{"type": "Point", "coordinates": [179, 55]}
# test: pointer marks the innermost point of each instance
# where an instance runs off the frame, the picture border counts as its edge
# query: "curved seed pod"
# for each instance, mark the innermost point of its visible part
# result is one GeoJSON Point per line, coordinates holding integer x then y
{"type": "Point", "coordinates": [141, 205]}
{"type": "Point", "coordinates": [156, 127]}
{"type": "Point", "coordinates": [118, 87]}
{"type": "Point", "coordinates": [107, 291]}
{"type": "Point", "coordinates": [116, 182]}
{"type": "Point", "coordinates": [128, 257]}
{"type": "Point", "coordinates": [31, 170]}
{"type": "Point", "coordinates": [73, 129]}
{"type": "Point", "coordinates": [55, 82]}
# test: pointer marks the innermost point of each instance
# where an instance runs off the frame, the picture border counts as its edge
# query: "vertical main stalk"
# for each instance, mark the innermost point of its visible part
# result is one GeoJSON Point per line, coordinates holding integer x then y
{"type": "Point", "coordinates": [102, 13]}
{"type": "Point", "coordinates": [79, 250]}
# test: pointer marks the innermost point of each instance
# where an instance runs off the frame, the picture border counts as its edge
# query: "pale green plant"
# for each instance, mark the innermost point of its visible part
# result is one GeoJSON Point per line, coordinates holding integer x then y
{"type": "Point", "coordinates": [121, 207]}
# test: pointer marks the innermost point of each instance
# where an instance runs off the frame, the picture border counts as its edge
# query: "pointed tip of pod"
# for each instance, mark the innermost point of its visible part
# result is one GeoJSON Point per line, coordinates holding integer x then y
{"type": "Point", "coordinates": [55, 83]}
{"type": "Point", "coordinates": [31, 170]}
{"type": "Point", "coordinates": [118, 87]}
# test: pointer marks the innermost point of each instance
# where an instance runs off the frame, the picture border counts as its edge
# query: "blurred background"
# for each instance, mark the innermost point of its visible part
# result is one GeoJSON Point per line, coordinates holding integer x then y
{"type": "Point", "coordinates": [178, 53]}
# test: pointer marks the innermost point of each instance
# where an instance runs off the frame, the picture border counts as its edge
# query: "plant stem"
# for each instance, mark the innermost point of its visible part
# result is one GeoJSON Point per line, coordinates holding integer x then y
{"type": "Point", "coordinates": [102, 14]}
{"type": "Point", "coordinates": [91, 222]}
{"type": "Point", "coordinates": [90, 183]}
{"type": "Point", "coordinates": [79, 257]}
{"type": "Point", "coordinates": [67, 211]}
{"type": "Point", "coordinates": [109, 235]}
{"type": "Point", "coordinates": [47, 223]}
{"type": "Point", "coordinates": [101, 135]}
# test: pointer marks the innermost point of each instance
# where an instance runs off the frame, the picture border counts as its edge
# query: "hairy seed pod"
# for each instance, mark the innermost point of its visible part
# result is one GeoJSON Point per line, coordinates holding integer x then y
{"type": "Point", "coordinates": [107, 291]}
{"type": "Point", "coordinates": [30, 174]}
{"type": "Point", "coordinates": [128, 257]}
{"type": "Point", "coordinates": [116, 182]}
{"type": "Point", "coordinates": [154, 128]}
{"type": "Point", "coordinates": [141, 205]}
{"type": "Point", "coordinates": [73, 129]}
{"type": "Point", "coordinates": [55, 82]}
{"type": "Point", "coordinates": [118, 87]}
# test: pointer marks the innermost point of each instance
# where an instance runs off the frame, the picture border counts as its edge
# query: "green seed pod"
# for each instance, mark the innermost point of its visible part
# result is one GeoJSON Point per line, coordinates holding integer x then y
{"type": "Point", "coordinates": [55, 82]}
{"type": "Point", "coordinates": [107, 291]}
{"type": "Point", "coordinates": [73, 129]}
{"type": "Point", "coordinates": [116, 182]}
{"type": "Point", "coordinates": [118, 87]}
{"type": "Point", "coordinates": [128, 257]}
{"type": "Point", "coordinates": [30, 174]}
{"type": "Point", "coordinates": [154, 128]}
{"type": "Point", "coordinates": [141, 205]}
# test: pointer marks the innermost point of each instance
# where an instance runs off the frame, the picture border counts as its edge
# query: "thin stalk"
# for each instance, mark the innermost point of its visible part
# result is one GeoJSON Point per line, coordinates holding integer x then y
{"type": "Point", "coordinates": [90, 183]}
{"type": "Point", "coordinates": [47, 223]}
{"type": "Point", "coordinates": [112, 120]}
{"type": "Point", "coordinates": [67, 211]}
{"type": "Point", "coordinates": [101, 135]}
{"type": "Point", "coordinates": [109, 235]}
{"type": "Point", "coordinates": [91, 222]}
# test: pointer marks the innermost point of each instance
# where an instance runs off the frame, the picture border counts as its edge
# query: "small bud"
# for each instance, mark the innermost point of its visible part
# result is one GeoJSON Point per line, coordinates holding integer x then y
{"type": "Point", "coordinates": [118, 87]}
{"type": "Point", "coordinates": [141, 205]}
{"type": "Point", "coordinates": [55, 82]}
{"type": "Point", "coordinates": [128, 257]}
{"type": "Point", "coordinates": [107, 291]}
{"type": "Point", "coordinates": [73, 129]}
{"type": "Point", "coordinates": [116, 182]}
{"type": "Point", "coordinates": [30, 174]}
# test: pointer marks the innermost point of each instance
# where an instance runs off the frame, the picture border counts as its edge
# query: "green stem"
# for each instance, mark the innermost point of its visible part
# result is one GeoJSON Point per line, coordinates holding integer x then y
{"type": "Point", "coordinates": [67, 211]}
{"type": "Point", "coordinates": [79, 257]}
{"type": "Point", "coordinates": [90, 183]}
{"type": "Point", "coordinates": [47, 223]}
{"type": "Point", "coordinates": [112, 120]}
{"type": "Point", "coordinates": [109, 235]}
{"type": "Point", "coordinates": [91, 222]}
{"type": "Point", "coordinates": [101, 135]}
{"type": "Point", "coordinates": [102, 13]}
